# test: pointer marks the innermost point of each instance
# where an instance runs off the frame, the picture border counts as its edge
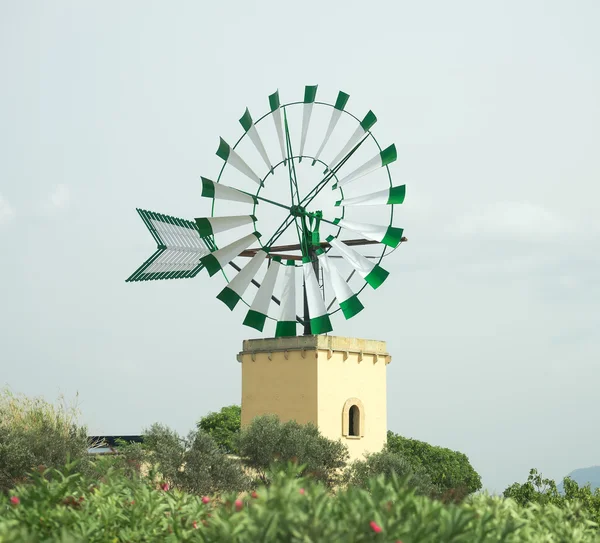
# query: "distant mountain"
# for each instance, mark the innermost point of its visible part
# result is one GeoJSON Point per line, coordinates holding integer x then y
{"type": "Point", "coordinates": [583, 476]}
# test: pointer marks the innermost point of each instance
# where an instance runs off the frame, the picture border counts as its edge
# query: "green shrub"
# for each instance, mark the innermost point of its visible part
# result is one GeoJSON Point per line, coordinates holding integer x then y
{"type": "Point", "coordinates": [450, 471]}
{"type": "Point", "coordinates": [388, 464]}
{"type": "Point", "coordinates": [267, 443]}
{"type": "Point", "coordinates": [223, 427]}
{"type": "Point", "coordinates": [34, 432]}
{"type": "Point", "coordinates": [541, 491]}
{"type": "Point", "coordinates": [71, 508]}
{"type": "Point", "coordinates": [195, 464]}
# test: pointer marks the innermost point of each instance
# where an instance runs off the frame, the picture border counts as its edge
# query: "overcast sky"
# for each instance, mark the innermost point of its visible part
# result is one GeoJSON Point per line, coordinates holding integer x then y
{"type": "Point", "coordinates": [491, 312]}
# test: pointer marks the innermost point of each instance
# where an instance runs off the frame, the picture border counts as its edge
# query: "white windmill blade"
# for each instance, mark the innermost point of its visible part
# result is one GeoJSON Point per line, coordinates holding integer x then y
{"type": "Point", "coordinates": [347, 299]}
{"type": "Point", "coordinates": [319, 318]}
{"type": "Point", "coordinates": [385, 157]}
{"type": "Point", "coordinates": [276, 111]}
{"type": "Point", "coordinates": [217, 260]}
{"type": "Point", "coordinates": [388, 235]}
{"type": "Point", "coordinates": [248, 125]}
{"type": "Point", "coordinates": [227, 153]}
{"type": "Point", "coordinates": [393, 195]}
{"type": "Point", "coordinates": [235, 289]}
{"type": "Point", "coordinates": [257, 314]}
{"type": "Point", "coordinates": [361, 131]}
{"type": "Point", "coordinates": [310, 93]}
{"type": "Point", "coordinates": [218, 191]}
{"type": "Point", "coordinates": [209, 226]}
{"type": "Point", "coordinates": [339, 106]}
{"type": "Point", "coordinates": [371, 272]}
{"type": "Point", "coordinates": [286, 324]}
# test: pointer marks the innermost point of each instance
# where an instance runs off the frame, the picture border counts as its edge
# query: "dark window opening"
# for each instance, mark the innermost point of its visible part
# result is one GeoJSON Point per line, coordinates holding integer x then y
{"type": "Point", "coordinates": [354, 421]}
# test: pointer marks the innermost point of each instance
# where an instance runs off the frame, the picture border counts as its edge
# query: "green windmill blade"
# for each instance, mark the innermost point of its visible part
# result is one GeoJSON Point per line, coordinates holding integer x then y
{"type": "Point", "coordinates": [209, 226]}
{"type": "Point", "coordinates": [345, 296]}
{"type": "Point", "coordinates": [217, 260]}
{"type": "Point", "coordinates": [259, 310]}
{"type": "Point", "coordinates": [276, 114]}
{"type": "Point", "coordinates": [310, 94]}
{"type": "Point", "coordinates": [388, 235]}
{"type": "Point", "coordinates": [319, 318]}
{"type": "Point", "coordinates": [371, 272]}
{"type": "Point", "coordinates": [286, 323]}
{"type": "Point", "coordinates": [336, 114]}
{"type": "Point", "coordinates": [248, 125]}
{"type": "Point", "coordinates": [218, 191]}
{"type": "Point", "coordinates": [234, 291]}
{"type": "Point", "coordinates": [385, 157]}
{"type": "Point", "coordinates": [391, 196]}
{"type": "Point", "coordinates": [361, 132]}
{"type": "Point", "coordinates": [231, 157]}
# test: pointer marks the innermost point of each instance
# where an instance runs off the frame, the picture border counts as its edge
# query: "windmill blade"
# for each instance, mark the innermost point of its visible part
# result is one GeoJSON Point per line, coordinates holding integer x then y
{"type": "Point", "coordinates": [393, 195]}
{"type": "Point", "coordinates": [248, 125]}
{"type": "Point", "coordinates": [339, 106]}
{"type": "Point", "coordinates": [218, 191]}
{"type": "Point", "coordinates": [362, 130]}
{"type": "Point", "coordinates": [216, 261]}
{"type": "Point", "coordinates": [319, 318]}
{"type": "Point", "coordinates": [385, 157]}
{"type": "Point", "coordinates": [372, 273]}
{"type": "Point", "coordinates": [179, 248]}
{"type": "Point", "coordinates": [208, 226]}
{"type": "Point", "coordinates": [276, 111]}
{"type": "Point", "coordinates": [286, 324]}
{"type": "Point", "coordinates": [310, 93]}
{"type": "Point", "coordinates": [347, 299]}
{"type": "Point", "coordinates": [234, 291]}
{"type": "Point", "coordinates": [227, 153]}
{"type": "Point", "coordinates": [388, 235]}
{"type": "Point", "coordinates": [257, 314]}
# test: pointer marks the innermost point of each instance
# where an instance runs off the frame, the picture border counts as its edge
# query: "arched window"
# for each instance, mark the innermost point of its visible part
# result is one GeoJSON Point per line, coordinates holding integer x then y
{"type": "Point", "coordinates": [353, 419]}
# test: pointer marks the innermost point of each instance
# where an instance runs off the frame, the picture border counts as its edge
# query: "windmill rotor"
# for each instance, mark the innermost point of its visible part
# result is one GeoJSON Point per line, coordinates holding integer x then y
{"type": "Point", "coordinates": [297, 229]}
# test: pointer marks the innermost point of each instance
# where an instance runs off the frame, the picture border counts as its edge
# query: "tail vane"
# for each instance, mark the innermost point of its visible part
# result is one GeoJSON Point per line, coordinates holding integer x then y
{"type": "Point", "coordinates": [179, 248]}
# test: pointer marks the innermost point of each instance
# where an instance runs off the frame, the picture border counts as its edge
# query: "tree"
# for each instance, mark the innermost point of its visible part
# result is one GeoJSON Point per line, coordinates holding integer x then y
{"type": "Point", "coordinates": [386, 463]}
{"type": "Point", "coordinates": [267, 444]}
{"type": "Point", "coordinates": [34, 432]}
{"type": "Point", "coordinates": [195, 464]}
{"type": "Point", "coordinates": [224, 427]}
{"type": "Point", "coordinates": [449, 470]}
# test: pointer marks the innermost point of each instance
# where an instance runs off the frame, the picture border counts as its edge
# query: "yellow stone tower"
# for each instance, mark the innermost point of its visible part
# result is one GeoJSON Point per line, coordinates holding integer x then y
{"type": "Point", "coordinates": [337, 383]}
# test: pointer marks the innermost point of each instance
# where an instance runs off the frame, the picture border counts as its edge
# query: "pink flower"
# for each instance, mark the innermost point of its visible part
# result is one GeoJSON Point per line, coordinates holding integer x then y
{"type": "Point", "coordinates": [239, 505]}
{"type": "Point", "coordinates": [254, 494]}
{"type": "Point", "coordinates": [195, 524]}
{"type": "Point", "coordinates": [14, 500]}
{"type": "Point", "coordinates": [205, 500]}
{"type": "Point", "coordinates": [301, 491]}
{"type": "Point", "coordinates": [375, 527]}
{"type": "Point", "coordinates": [165, 487]}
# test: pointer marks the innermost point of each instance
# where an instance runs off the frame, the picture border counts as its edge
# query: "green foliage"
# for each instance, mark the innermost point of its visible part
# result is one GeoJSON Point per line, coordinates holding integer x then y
{"type": "Point", "coordinates": [195, 464]}
{"type": "Point", "coordinates": [223, 427]}
{"type": "Point", "coordinates": [450, 471]}
{"type": "Point", "coordinates": [267, 443]}
{"type": "Point", "coordinates": [34, 432]}
{"type": "Point", "coordinates": [71, 508]}
{"type": "Point", "coordinates": [388, 464]}
{"type": "Point", "coordinates": [542, 491]}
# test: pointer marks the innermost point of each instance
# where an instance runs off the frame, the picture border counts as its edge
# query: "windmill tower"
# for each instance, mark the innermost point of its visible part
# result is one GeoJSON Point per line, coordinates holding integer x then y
{"type": "Point", "coordinates": [337, 383]}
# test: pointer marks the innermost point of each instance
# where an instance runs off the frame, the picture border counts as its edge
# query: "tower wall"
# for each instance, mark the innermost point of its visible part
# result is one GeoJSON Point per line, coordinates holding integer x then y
{"type": "Point", "coordinates": [318, 379]}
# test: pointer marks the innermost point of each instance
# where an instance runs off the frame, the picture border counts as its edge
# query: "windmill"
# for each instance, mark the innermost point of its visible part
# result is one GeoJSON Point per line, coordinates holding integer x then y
{"type": "Point", "coordinates": [336, 217]}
